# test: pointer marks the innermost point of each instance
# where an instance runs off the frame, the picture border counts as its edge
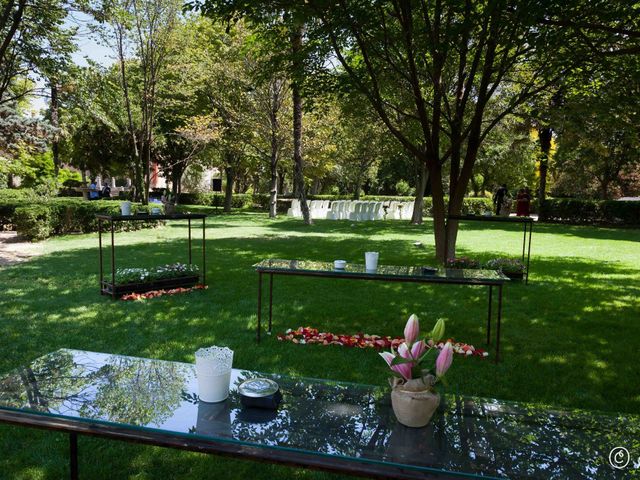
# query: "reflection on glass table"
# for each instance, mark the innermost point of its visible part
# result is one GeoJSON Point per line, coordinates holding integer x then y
{"type": "Point", "coordinates": [471, 437]}
{"type": "Point", "coordinates": [401, 272]}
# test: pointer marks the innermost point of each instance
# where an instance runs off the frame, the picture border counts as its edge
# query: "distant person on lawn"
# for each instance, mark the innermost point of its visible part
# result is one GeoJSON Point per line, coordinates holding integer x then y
{"type": "Point", "coordinates": [523, 203]}
{"type": "Point", "coordinates": [94, 194]}
{"type": "Point", "coordinates": [106, 191]}
{"type": "Point", "coordinates": [499, 198]}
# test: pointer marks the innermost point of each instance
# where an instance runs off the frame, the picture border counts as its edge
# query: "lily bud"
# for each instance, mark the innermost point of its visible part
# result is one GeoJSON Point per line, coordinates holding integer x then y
{"type": "Point", "coordinates": [438, 330]}
{"type": "Point", "coordinates": [445, 357]}
{"type": "Point", "coordinates": [411, 330]}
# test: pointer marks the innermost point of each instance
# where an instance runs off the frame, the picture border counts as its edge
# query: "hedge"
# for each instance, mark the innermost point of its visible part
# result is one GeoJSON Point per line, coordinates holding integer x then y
{"type": "Point", "coordinates": [477, 206]}
{"type": "Point", "coordinates": [239, 200]}
{"type": "Point", "coordinates": [602, 212]}
{"type": "Point", "coordinates": [39, 218]}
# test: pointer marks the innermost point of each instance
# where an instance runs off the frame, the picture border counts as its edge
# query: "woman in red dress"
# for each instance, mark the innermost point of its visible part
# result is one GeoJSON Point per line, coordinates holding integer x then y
{"type": "Point", "coordinates": [523, 201]}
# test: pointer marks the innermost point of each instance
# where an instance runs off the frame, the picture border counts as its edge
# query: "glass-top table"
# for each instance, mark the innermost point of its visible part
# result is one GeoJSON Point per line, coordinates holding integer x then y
{"type": "Point", "coordinates": [320, 424]}
{"type": "Point", "coordinates": [386, 273]}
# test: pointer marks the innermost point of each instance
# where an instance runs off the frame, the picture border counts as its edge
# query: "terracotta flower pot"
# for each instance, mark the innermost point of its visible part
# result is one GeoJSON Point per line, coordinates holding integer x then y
{"type": "Point", "coordinates": [414, 401]}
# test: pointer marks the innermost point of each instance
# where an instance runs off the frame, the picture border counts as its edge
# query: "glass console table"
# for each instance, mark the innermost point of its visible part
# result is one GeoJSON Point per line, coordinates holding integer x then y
{"type": "Point", "coordinates": [108, 285]}
{"type": "Point", "coordinates": [327, 425]}
{"type": "Point", "coordinates": [387, 273]}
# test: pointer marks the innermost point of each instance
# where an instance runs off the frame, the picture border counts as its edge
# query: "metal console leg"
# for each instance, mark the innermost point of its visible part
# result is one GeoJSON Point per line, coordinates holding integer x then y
{"type": "Point", "coordinates": [270, 300]}
{"type": "Point", "coordinates": [259, 306]}
{"type": "Point", "coordinates": [73, 456]}
{"type": "Point", "coordinates": [489, 315]}
{"type": "Point", "coordinates": [499, 322]}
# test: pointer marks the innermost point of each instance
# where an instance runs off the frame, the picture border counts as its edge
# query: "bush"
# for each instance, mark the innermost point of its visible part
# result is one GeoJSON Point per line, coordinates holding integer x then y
{"type": "Point", "coordinates": [240, 200]}
{"type": "Point", "coordinates": [37, 218]}
{"type": "Point", "coordinates": [34, 221]}
{"type": "Point", "coordinates": [603, 212]}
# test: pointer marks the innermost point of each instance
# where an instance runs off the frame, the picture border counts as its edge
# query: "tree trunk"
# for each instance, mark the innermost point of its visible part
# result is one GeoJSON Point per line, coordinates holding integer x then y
{"type": "Point", "coordinates": [55, 122]}
{"type": "Point", "coordinates": [544, 137]}
{"type": "Point", "coordinates": [273, 188]}
{"type": "Point", "coordinates": [228, 188]}
{"type": "Point", "coordinates": [358, 187]}
{"type": "Point", "coordinates": [418, 204]}
{"type": "Point", "coordinates": [296, 49]}
{"type": "Point", "coordinates": [281, 180]}
{"type": "Point", "coordinates": [439, 213]}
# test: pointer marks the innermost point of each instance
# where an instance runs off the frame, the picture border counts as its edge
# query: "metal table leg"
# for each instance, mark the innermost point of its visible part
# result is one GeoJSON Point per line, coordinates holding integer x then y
{"type": "Point", "coordinates": [113, 261]}
{"type": "Point", "coordinates": [489, 315]}
{"type": "Point", "coordinates": [259, 305]}
{"type": "Point", "coordinates": [189, 228]}
{"type": "Point", "coordinates": [101, 259]}
{"type": "Point", "coordinates": [204, 260]}
{"type": "Point", "coordinates": [524, 239]}
{"type": "Point", "coordinates": [270, 300]}
{"type": "Point", "coordinates": [499, 321]}
{"type": "Point", "coordinates": [73, 456]}
{"type": "Point", "coordinates": [529, 251]}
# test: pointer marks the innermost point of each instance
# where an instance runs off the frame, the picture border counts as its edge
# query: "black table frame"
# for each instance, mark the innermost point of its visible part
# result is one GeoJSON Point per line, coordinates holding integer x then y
{"type": "Point", "coordinates": [527, 223]}
{"type": "Point", "coordinates": [266, 454]}
{"type": "Point", "coordinates": [113, 219]}
{"type": "Point", "coordinates": [388, 278]}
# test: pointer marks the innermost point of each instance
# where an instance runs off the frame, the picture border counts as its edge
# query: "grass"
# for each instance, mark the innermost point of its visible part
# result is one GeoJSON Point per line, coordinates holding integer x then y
{"type": "Point", "coordinates": [570, 338]}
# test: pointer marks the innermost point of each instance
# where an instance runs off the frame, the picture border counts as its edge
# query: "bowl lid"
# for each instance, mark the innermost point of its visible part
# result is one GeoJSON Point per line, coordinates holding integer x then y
{"type": "Point", "coordinates": [258, 387]}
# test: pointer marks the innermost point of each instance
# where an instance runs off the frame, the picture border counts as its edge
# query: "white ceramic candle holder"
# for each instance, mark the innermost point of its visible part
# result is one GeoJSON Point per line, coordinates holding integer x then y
{"type": "Point", "coordinates": [213, 370]}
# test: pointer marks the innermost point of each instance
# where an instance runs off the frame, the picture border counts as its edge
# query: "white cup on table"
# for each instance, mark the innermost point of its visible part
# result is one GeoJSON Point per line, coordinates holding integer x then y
{"type": "Point", "coordinates": [371, 261]}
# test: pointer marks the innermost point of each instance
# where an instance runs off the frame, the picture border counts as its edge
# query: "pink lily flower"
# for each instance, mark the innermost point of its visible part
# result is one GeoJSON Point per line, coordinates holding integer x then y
{"type": "Point", "coordinates": [403, 351]}
{"type": "Point", "coordinates": [388, 357]}
{"type": "Point", "coordinates": [445, 357]}
{"type": "Point", "coordinates": [417, 349]}
{"type": "Point", "coordinates": [403, 369]}
{"type": "Point", "coordinates": [411, 329]}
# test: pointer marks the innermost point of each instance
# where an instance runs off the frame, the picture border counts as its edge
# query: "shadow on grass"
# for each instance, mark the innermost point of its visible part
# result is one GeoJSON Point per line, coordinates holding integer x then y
{"type": "Point", "coordinates": [569, 338]}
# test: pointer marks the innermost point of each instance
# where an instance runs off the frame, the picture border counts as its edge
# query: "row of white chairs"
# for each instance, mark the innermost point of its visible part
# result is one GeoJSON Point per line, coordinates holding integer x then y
{"type": "Point", "coordinates": [354, 210]}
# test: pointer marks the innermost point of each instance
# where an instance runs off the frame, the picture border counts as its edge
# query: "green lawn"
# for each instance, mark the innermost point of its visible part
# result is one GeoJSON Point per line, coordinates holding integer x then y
{"type": "Point", "coordinates": [570, 338]}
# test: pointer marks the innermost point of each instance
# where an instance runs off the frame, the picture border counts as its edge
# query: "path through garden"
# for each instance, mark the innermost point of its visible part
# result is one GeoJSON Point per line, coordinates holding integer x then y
{"type": "Point", "coordinates": [15, 250]}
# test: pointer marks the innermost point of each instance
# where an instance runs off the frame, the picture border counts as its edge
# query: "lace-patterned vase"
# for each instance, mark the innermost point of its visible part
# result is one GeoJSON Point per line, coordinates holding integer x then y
{"type": "Point", "coordinates": [213, 369]}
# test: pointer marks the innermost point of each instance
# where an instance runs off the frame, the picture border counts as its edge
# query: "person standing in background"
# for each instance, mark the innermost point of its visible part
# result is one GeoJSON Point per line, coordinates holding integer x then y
{"type": "Point", "coordinates": [94, 194]}
{"type": "Point", "coordinates": [499, 197]}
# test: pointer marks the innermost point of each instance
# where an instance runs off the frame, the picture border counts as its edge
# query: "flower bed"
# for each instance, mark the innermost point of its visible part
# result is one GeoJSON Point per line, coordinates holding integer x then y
{"type": "Point", "coordinates": [462, 262]}
{"type": "Point", "coordinates": [511, 267]}
{"type": "Point", "coordinates": [139, 280]}
{"type": "Point", "coordinates": [309, 335]}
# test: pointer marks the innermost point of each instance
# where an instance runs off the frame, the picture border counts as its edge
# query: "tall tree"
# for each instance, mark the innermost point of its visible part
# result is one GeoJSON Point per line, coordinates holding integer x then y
{"type": "Point", "coordinates": [281, 24]}
{"type": "Point", "coordinates": [140, 32]}
{"type": "Point", "coordinates": [438, 66]}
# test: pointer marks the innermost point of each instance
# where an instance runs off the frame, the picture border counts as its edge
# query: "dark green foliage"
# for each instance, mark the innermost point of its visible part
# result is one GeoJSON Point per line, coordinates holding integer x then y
{"type": "Point", "coordinates": [606, 212]}
{"type": "Point", "coordinates": [241, 200]}
{"type": "Point", "coordinates": [38, 218]}
{"type": "Point", "coordinates": [34, 221]}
